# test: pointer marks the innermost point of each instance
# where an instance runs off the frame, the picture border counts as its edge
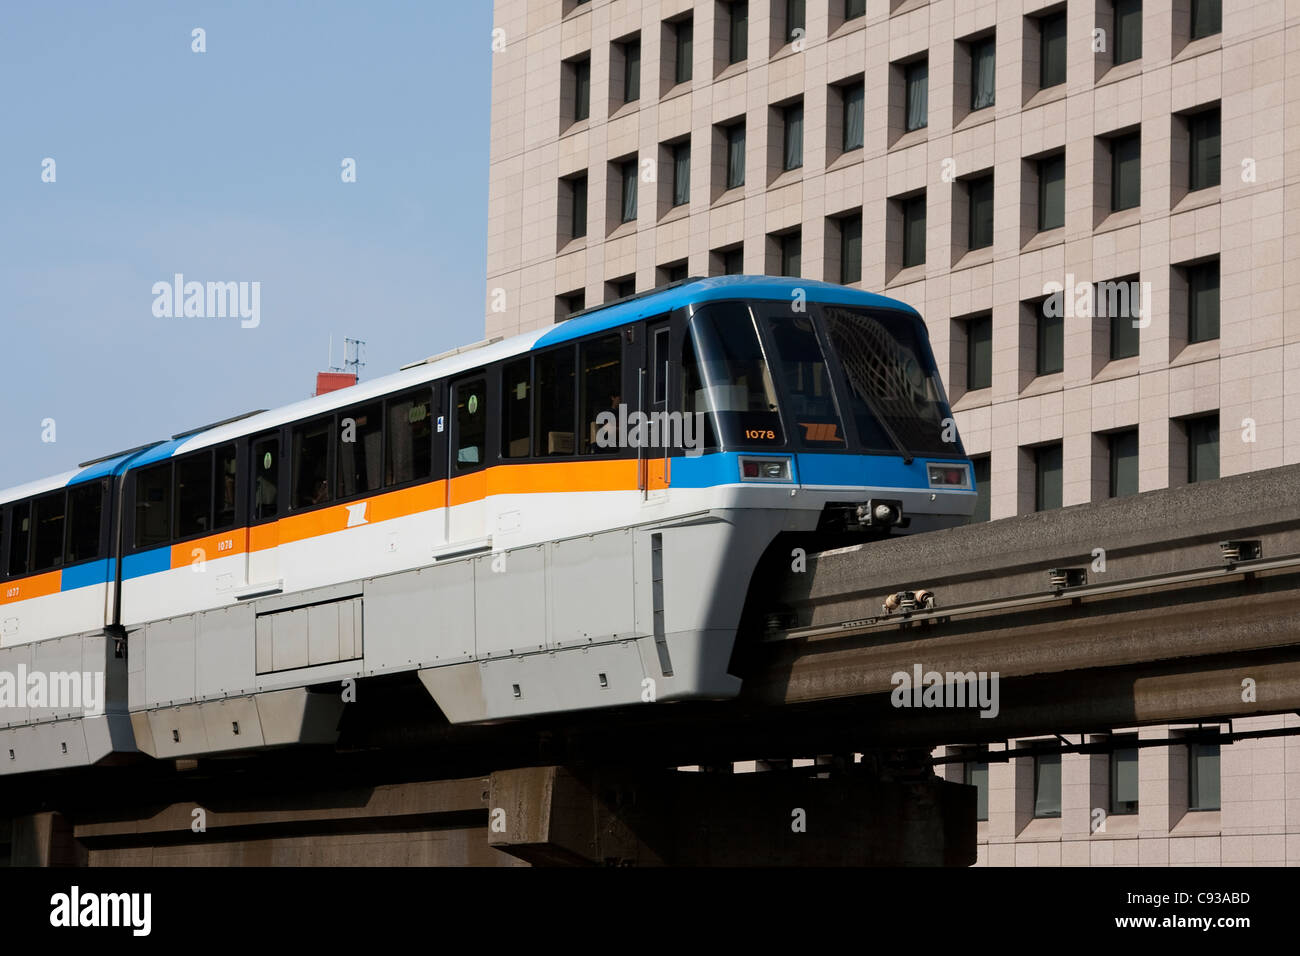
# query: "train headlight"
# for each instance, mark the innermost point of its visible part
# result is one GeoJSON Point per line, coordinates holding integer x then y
{"type": "Point", "coordinates": [764, 469]}
{"type": "Point", "coordinates": [948, 475]}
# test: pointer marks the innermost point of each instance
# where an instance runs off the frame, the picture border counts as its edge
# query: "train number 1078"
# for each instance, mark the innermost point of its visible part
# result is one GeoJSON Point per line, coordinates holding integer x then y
{"type": "Point", "coordinates": [766, 433]}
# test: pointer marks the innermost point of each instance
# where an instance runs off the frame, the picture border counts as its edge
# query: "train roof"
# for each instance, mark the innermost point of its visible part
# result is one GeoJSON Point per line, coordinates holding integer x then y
{"type": "Point", "coordinates": [594, 320]}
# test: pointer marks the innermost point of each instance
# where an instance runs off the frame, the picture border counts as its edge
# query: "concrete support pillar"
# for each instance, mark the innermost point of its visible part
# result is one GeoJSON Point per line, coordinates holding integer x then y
{"type": "Point", "coordinates": [45, 839]}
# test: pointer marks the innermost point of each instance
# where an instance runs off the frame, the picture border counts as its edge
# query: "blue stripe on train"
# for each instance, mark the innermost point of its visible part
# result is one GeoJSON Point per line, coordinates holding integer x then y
{"type": "Point", "coordinates": [146, 562]}
{"type": "Point", "coordinates": [876, 471]}
{"type": "Point", "coordinates": [84, 575]}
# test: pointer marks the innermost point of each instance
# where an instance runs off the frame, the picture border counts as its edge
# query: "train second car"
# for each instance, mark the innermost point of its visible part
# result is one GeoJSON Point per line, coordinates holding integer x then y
{"type": "Point", "coordinates": [567, 519]}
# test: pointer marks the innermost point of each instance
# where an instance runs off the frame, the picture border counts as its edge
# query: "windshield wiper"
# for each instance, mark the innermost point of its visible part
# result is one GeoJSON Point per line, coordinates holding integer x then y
{"type": "Point", "coordinates": [889, 429]}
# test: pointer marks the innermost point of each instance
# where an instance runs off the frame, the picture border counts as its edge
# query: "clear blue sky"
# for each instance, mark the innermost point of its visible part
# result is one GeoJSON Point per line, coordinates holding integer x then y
{"type": "Point", "coordinates": [225, 166]}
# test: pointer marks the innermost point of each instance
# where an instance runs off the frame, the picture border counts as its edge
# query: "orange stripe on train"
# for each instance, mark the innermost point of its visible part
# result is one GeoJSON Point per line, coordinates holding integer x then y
{"type": "Point", "coordinates": [540, 478]}
{"type": "Point", "coordinates": [38, 585]}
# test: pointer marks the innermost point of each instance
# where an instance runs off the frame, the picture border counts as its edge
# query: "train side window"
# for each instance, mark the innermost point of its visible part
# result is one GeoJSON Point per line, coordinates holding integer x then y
{"type": "Point", "coordinates": [361, 438]}
{"type": "Point", "coordinates": [659, 367]}
{"type": "Point", "coordinates": [224, 476]}
{"type": "Point", "coordinates": [266, 477]}
{"type": "Point", "coordinates": [311, 470]}
{"type": "Point", "coordinates": [471, 423]}
{"type": "Point", "coordinates": [48, 526]}
{"type": "Point", "coordinates": [554, 403]}
{"type": "Point", "coordinates": [20, 534]}
{"type": "Point", "coordinates": [515, 411]}
{"type": "Point", "coordinates": [153, 506]}
{"type": "Point", "coordinates": [602, 388]}
{"type": "Point", "coordinates": [193, 495]}
{"type": "Point", "coordinates": [85, 521]}
{"type": "Point", "coordinates": [410, 439]}
{"type": "Point", "coordinates": [4, 542]}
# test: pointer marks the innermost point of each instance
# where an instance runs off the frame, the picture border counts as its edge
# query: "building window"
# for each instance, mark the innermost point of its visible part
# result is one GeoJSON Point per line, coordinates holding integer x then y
{"type": "Point", "coordinates": [980, 221]}
{"type": "Point", "coordinates": [1202, 776]}
{"type": "Point", "coordinates": [628, 171]}
{"type": "Point", "coordinates": [1124, 776]}
{"type": "Point", "coordinates": [982, 75]}
{"type": "Point", "coordinates": [795, 19]}
{"type": "Point", "coordinates": [681, 174]}
{"type": "Point", "coordinates": [674, 272]}
{"type": "Point", "coordinates": [1123, 463]}
{"type": "Point", "coordinates": [1203, 302]}
{"type": "Point", "coordinates": [1207, 18]}
{"type": "Point", "coordinates": [1051, 50]}
{"type": "Point", "coordinates": [979, 352]}
{"type": "Point", "coordinates": [1125, 171]}
{"type": "Point", "coordinates": [578, 206]}
{"type": "Point", "coordinates": [684, 50]}
{"type": "Point", "coordinates": [623, 288]}
{"type": "Point", "coordinates": [854, 9]}
{"type": "Point", "coordinates": [976, 774]}
{"type": "Point", "coordinates": [1203, 138]}
{"type": "Point", "coordinates": [982, 489]}
{"type": "Point", "coordinates": [914, 231]}
{"type": "Point", "coordinates": [1202, 449]}
{"type": "Point", "coordinates": [793, 152]}
{"type": "Point", "coordinates": [1047, 477]}
{"type": "Point", "coordinates": [569, 305]}
{"type": "Point", "coordinates": [1047, 785]}
{"type": "Point", "coordinates": [581, 89]}
{"type": "Point", "coordinates": [851, 249]}
{"type": "Point", "coordinates": [1051, 335]}
{"type": "Point", "coordinates": [917, 79]}
{"type": "Point", "coordinates": [1051, 192]}
{"type": "Point", "coordinates": [632, 71]}
{"type": "Point", "coordinates": [736, 156]}
{"type": "Point", "coordinates": [1127, 41]}
{"type": "Point", "coordinates": [738, 31]}
{"type": "Point", "coordinates": [1120, 300]}
{"type": "Point", "coordinates": [791, 253]}
{"type": "Point", "coordinates": [853, 99]}
{"type": "Point", "coordinates": [733, 261]}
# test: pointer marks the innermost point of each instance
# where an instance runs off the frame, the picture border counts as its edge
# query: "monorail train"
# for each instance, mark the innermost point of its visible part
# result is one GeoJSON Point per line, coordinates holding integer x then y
{"type": "Point", "coordinates": [570, 518]}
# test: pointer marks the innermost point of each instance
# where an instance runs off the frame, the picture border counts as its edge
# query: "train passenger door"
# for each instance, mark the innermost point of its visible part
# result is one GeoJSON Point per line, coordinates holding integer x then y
{"type": "Point", "coordinates": [267, 500]}
{"type": "Point", "coordinates": [654, 468]}
{"type": "Point", "coordinates": [467, 461]}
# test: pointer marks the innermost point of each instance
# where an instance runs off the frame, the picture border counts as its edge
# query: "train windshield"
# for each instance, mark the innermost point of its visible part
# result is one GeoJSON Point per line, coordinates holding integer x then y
{"type": "Point", "coordinates": [760, 372]}
{"type": "Point", "coordinates": [894, 392]}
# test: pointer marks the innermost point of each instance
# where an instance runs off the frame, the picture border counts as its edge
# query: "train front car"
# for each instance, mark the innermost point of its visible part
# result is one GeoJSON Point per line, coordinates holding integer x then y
{"type": "Point", "coordinates": [822, 422]}
{"type": "Point", "coordinates": [829, 397]}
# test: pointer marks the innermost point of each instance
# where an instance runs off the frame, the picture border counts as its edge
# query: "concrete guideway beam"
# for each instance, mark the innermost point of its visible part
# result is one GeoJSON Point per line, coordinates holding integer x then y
{"type": "Point", "coordinates": [563, 815]}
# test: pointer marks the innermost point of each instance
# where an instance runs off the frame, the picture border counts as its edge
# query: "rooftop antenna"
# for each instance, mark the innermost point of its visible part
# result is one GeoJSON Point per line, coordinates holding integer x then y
{"type": "Point", "coordinates": [352, 360]}
{"type": "Point", "coordinates": [352, 357]}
